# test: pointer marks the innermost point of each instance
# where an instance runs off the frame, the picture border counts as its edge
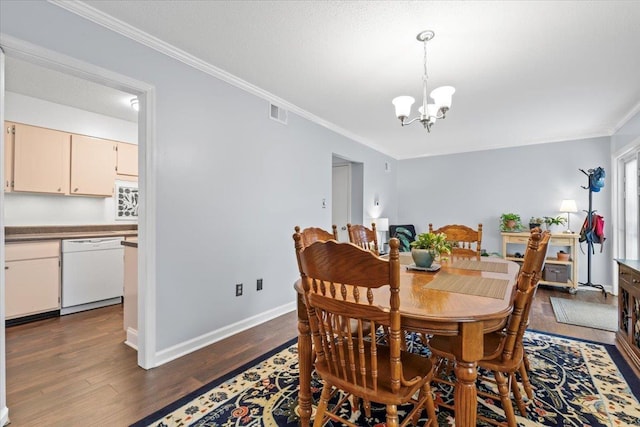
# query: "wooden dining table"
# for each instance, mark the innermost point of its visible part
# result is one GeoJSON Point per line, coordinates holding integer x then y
{"type": "Point", "coordinates": [466, 298]}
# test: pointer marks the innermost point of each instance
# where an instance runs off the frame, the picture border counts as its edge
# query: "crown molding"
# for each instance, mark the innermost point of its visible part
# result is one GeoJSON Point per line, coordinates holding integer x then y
{"type": "Point", "coordinates": [634, 110]}
{"type": "Point", "coordinates": [98, 17]}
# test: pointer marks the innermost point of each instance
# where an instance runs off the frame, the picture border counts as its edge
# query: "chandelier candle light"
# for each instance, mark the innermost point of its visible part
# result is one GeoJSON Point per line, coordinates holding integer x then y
{"type": "Point", "coordinates": [441, 96]}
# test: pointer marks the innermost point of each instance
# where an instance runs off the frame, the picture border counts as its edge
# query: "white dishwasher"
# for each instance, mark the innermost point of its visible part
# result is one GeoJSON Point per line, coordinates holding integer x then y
{"type": "Point", "coordinates": [92, 273]}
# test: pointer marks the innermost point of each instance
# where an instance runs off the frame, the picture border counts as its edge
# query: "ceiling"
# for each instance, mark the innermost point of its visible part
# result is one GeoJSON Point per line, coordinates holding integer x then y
{"type": "Point", "coordinates": [36, 81]}
{"type": "Point", "coordinates": [525, 72]}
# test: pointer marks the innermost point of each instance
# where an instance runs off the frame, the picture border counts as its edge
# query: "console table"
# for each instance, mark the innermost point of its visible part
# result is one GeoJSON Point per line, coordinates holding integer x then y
{"type": "Point", "coordinates": [516, 242]}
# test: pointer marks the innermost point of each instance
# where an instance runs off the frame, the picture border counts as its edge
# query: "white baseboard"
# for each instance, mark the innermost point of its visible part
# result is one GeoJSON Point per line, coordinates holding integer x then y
{"type": "Point", "coordinates": [132, 338]}
{"type": "Point", "coordinates": [4, 416]}
{"type": "Point", "coordinates": [197, 343]}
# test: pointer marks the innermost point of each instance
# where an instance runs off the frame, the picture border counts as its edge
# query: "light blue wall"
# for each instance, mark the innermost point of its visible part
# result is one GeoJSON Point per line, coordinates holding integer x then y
{"type": "Point", "coordinates": [231, 184]}
{"type": "Point", "coordinates": [478, 187]}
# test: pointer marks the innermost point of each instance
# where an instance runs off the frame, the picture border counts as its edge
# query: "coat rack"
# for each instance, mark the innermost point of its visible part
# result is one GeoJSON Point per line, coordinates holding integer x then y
{"type": "Point", "coordinates": [589, 241]}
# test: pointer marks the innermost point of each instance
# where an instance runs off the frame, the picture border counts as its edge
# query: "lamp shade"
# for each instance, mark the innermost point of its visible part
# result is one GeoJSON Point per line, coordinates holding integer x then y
{"type": "Point", "coordinates": [442, 96]}
{"type": "Point", "coordinates": [382, 224]}
{"type": "Point", "coordinates": [568, 205]}
{"type": "Point", "coordinates": [403, 105]}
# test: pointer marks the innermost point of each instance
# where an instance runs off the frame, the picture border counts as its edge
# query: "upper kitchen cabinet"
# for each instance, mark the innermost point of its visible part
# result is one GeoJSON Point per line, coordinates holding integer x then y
{"type": "Point", "coordinates": [8, 156]}
{"type": "Point", "coordinates": [93, 166]}
{"type": "Point", "coordinates": [127, 159]}
{"type": "Point", "coordinates": [40, 159]}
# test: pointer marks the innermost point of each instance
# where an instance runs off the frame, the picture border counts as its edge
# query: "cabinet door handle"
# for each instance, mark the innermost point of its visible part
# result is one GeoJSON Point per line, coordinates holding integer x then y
{"type": "Point", "coordinates": [75, 190]}
{"type": "Point", "coordinates": [59, 189]}
{"type": "Point", "coordinates": [6, 267]}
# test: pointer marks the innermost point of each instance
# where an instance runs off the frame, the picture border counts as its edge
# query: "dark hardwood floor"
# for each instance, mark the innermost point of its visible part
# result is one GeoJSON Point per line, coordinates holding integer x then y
{"type": "Point", "coordinates": [76, 371]}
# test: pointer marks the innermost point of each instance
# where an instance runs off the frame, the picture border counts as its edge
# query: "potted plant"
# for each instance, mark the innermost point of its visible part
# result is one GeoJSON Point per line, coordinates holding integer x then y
{"type": "Point", "coordinates": [427, 247]}
{"type": "Point", "coordinates": [555, 222]}
{"type": "Point", "coordinates": [536, 222]}
{"type": "Point", "coordinates": [562, 256]}
{"type": "Point", "coordinates": [510, 222]}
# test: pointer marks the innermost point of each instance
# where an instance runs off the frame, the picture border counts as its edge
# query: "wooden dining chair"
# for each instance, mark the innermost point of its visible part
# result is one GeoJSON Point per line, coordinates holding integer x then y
{"type": "Point", "coordinates": [348, 293]}
{"type": "Point", "coordinates": [504, 350]}
{"type": "Point", "coordinates": [364, 237]}
{"type": "Point", "coordinates": [465, 241]}
{"type": "Point", "coordinates": [313, 234]}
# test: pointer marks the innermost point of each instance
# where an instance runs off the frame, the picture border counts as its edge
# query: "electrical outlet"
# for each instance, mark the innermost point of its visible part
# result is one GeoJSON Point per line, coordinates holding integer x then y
{"type": "Point", "coordinates": [259, 284]}
{"type": "Point", "coordinates": [238, 289]}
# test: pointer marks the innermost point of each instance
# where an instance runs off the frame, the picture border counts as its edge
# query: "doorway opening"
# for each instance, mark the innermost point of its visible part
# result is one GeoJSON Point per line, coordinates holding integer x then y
{"type": "Point", "coordinates": [347, 189]}
{"type": "Point", "coordinates": [73, 69]}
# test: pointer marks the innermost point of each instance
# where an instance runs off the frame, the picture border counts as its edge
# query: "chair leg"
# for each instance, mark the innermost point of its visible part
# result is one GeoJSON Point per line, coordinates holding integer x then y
{"type": "Point", "coordinates": [517, 395]}
{"type": "Point", "coordinates": [505, 398]}
{"type": "Point", "coordinates": [524, 375]}
{"type": "Point", "coordinates": [430, 406]}
{"type": "Point", "coordinates": [392, 416]}
{"type": "Point", "coordinates": [322, 405]}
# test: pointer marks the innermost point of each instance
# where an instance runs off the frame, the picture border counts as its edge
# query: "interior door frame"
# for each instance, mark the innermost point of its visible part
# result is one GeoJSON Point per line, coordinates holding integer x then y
{"type": "Point", "coordinates": [147, 181]}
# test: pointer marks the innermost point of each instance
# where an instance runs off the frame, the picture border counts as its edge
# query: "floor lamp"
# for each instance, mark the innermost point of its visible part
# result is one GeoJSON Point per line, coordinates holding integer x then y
{"type": "Point", "coordinates": [568, 206]}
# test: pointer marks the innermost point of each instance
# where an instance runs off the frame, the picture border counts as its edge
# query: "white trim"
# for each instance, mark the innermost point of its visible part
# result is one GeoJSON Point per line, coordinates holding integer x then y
{"type": "Point", "coordinates": [4, 412]}
{"type": "Point", "coordinates": [4, 416]}
{"type": "Point", "coordinates": [209, 338]}
{"type": "Point", "coordinates": [616, 214]}
{"type": "Point", "coordinates": [147, 180]}
{"type": "Point", "coordinates": [634, 110]}
{"type": "Point", "coordinates": [147, 183]}
{"type": "Point", "coordinates": [132, 338]}
{"type": "Point", "coordinates": [98, 17]}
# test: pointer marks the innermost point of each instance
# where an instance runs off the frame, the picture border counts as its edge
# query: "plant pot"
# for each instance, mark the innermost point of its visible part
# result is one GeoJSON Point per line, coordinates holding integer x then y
{"type": "Point", "coordinates": [562, 256]}
{"type": "Point", "coordinates": [422, 257]}
{"type": "Point", "coordinates": [533, 225]}
{"type": "Point", "coordinates": [510, 224]}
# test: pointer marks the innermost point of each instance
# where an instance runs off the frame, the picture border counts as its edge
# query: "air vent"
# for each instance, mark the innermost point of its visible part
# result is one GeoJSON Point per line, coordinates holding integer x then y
{"type": "Point", "coordinates": [278, 114]}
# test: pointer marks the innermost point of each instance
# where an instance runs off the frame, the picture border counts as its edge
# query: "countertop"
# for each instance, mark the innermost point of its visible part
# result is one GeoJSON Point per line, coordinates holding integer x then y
{"type": "Point", "coordinates": [132, 243]}
{"type": "Point", "coordinates": [631, 263]}
{"type": "Point", "coordinates": [57, 232]}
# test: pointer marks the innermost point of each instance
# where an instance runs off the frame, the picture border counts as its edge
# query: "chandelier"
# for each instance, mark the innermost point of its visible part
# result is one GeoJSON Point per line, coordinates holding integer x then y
{"type": "Point", "coordinates": [441, 96]}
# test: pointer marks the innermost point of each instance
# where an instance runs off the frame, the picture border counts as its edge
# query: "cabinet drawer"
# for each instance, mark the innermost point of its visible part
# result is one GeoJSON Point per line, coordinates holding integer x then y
{"type": "Point", "coordinates": [558, 241]}
{"type": "Point", "coordinates": [629, 276]}
{"type": "Point", "coordinates": [524, 240]}
{"type": "Point", "coordinates": [32, 250]}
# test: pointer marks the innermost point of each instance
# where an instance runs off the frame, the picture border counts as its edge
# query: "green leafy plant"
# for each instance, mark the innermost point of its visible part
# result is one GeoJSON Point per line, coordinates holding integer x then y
{"type": "Point", "coordinates": [510, 222]}
{"type": "Point", "coordinates": [436, 243]}
{"type": "Point", "coordinates": [559, 220]}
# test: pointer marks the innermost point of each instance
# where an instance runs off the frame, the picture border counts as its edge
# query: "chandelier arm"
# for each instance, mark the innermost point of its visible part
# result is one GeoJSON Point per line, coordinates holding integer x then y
{"type": "Point", "coordinates": [410, 121]}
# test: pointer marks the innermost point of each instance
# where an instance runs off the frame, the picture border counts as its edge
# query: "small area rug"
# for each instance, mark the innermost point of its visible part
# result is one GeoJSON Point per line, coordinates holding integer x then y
{"type": "Point", "coordinates": [589, 314]}
{"type": "Point", "coordinates": [577, 383]}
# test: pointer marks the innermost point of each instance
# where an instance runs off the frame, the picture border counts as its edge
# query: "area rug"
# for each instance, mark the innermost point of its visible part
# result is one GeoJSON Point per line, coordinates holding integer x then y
{"type": "Point", "coordinates": [589, 314]}
{"type": "Point", "coordinates": [577, 383]}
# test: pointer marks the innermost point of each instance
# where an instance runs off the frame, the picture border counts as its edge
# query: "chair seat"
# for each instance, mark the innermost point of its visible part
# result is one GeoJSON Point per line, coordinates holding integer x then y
{"type": "Point", "coordinates": [414, 366]}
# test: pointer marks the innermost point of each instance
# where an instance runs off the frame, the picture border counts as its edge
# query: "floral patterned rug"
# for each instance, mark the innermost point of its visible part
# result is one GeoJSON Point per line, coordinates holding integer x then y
{"type": "Point", "coordinates": [577, 383]}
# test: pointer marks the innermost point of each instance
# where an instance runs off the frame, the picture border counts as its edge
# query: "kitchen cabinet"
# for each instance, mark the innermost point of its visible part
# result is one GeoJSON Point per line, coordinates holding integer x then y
{"type": "Point", "coordinates": [127, 159]}
{"type": "Point", "coordinates": [628, 334]}
{"type": "Point", "coordinates": [93, 166]}
{"type": "Point", "coordinates": [32, 278]}
{"type": "Point", "coordinates": [40, 159]}
{"type": "Point", "coordinates": [568, 242]}
{"type": "Point", "coordinates": [8, 156]}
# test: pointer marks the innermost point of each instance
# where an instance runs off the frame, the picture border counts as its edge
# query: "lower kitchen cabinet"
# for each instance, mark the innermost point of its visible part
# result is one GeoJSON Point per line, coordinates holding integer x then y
{"type": "Point", "coordinates": [32, 278]}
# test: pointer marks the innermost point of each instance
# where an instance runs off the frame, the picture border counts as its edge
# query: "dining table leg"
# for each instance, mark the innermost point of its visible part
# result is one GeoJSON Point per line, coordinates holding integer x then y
{"type": "Point", "coordinates": [304, 364]}
{"type": "Point", "coordinates": [468, 350]}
